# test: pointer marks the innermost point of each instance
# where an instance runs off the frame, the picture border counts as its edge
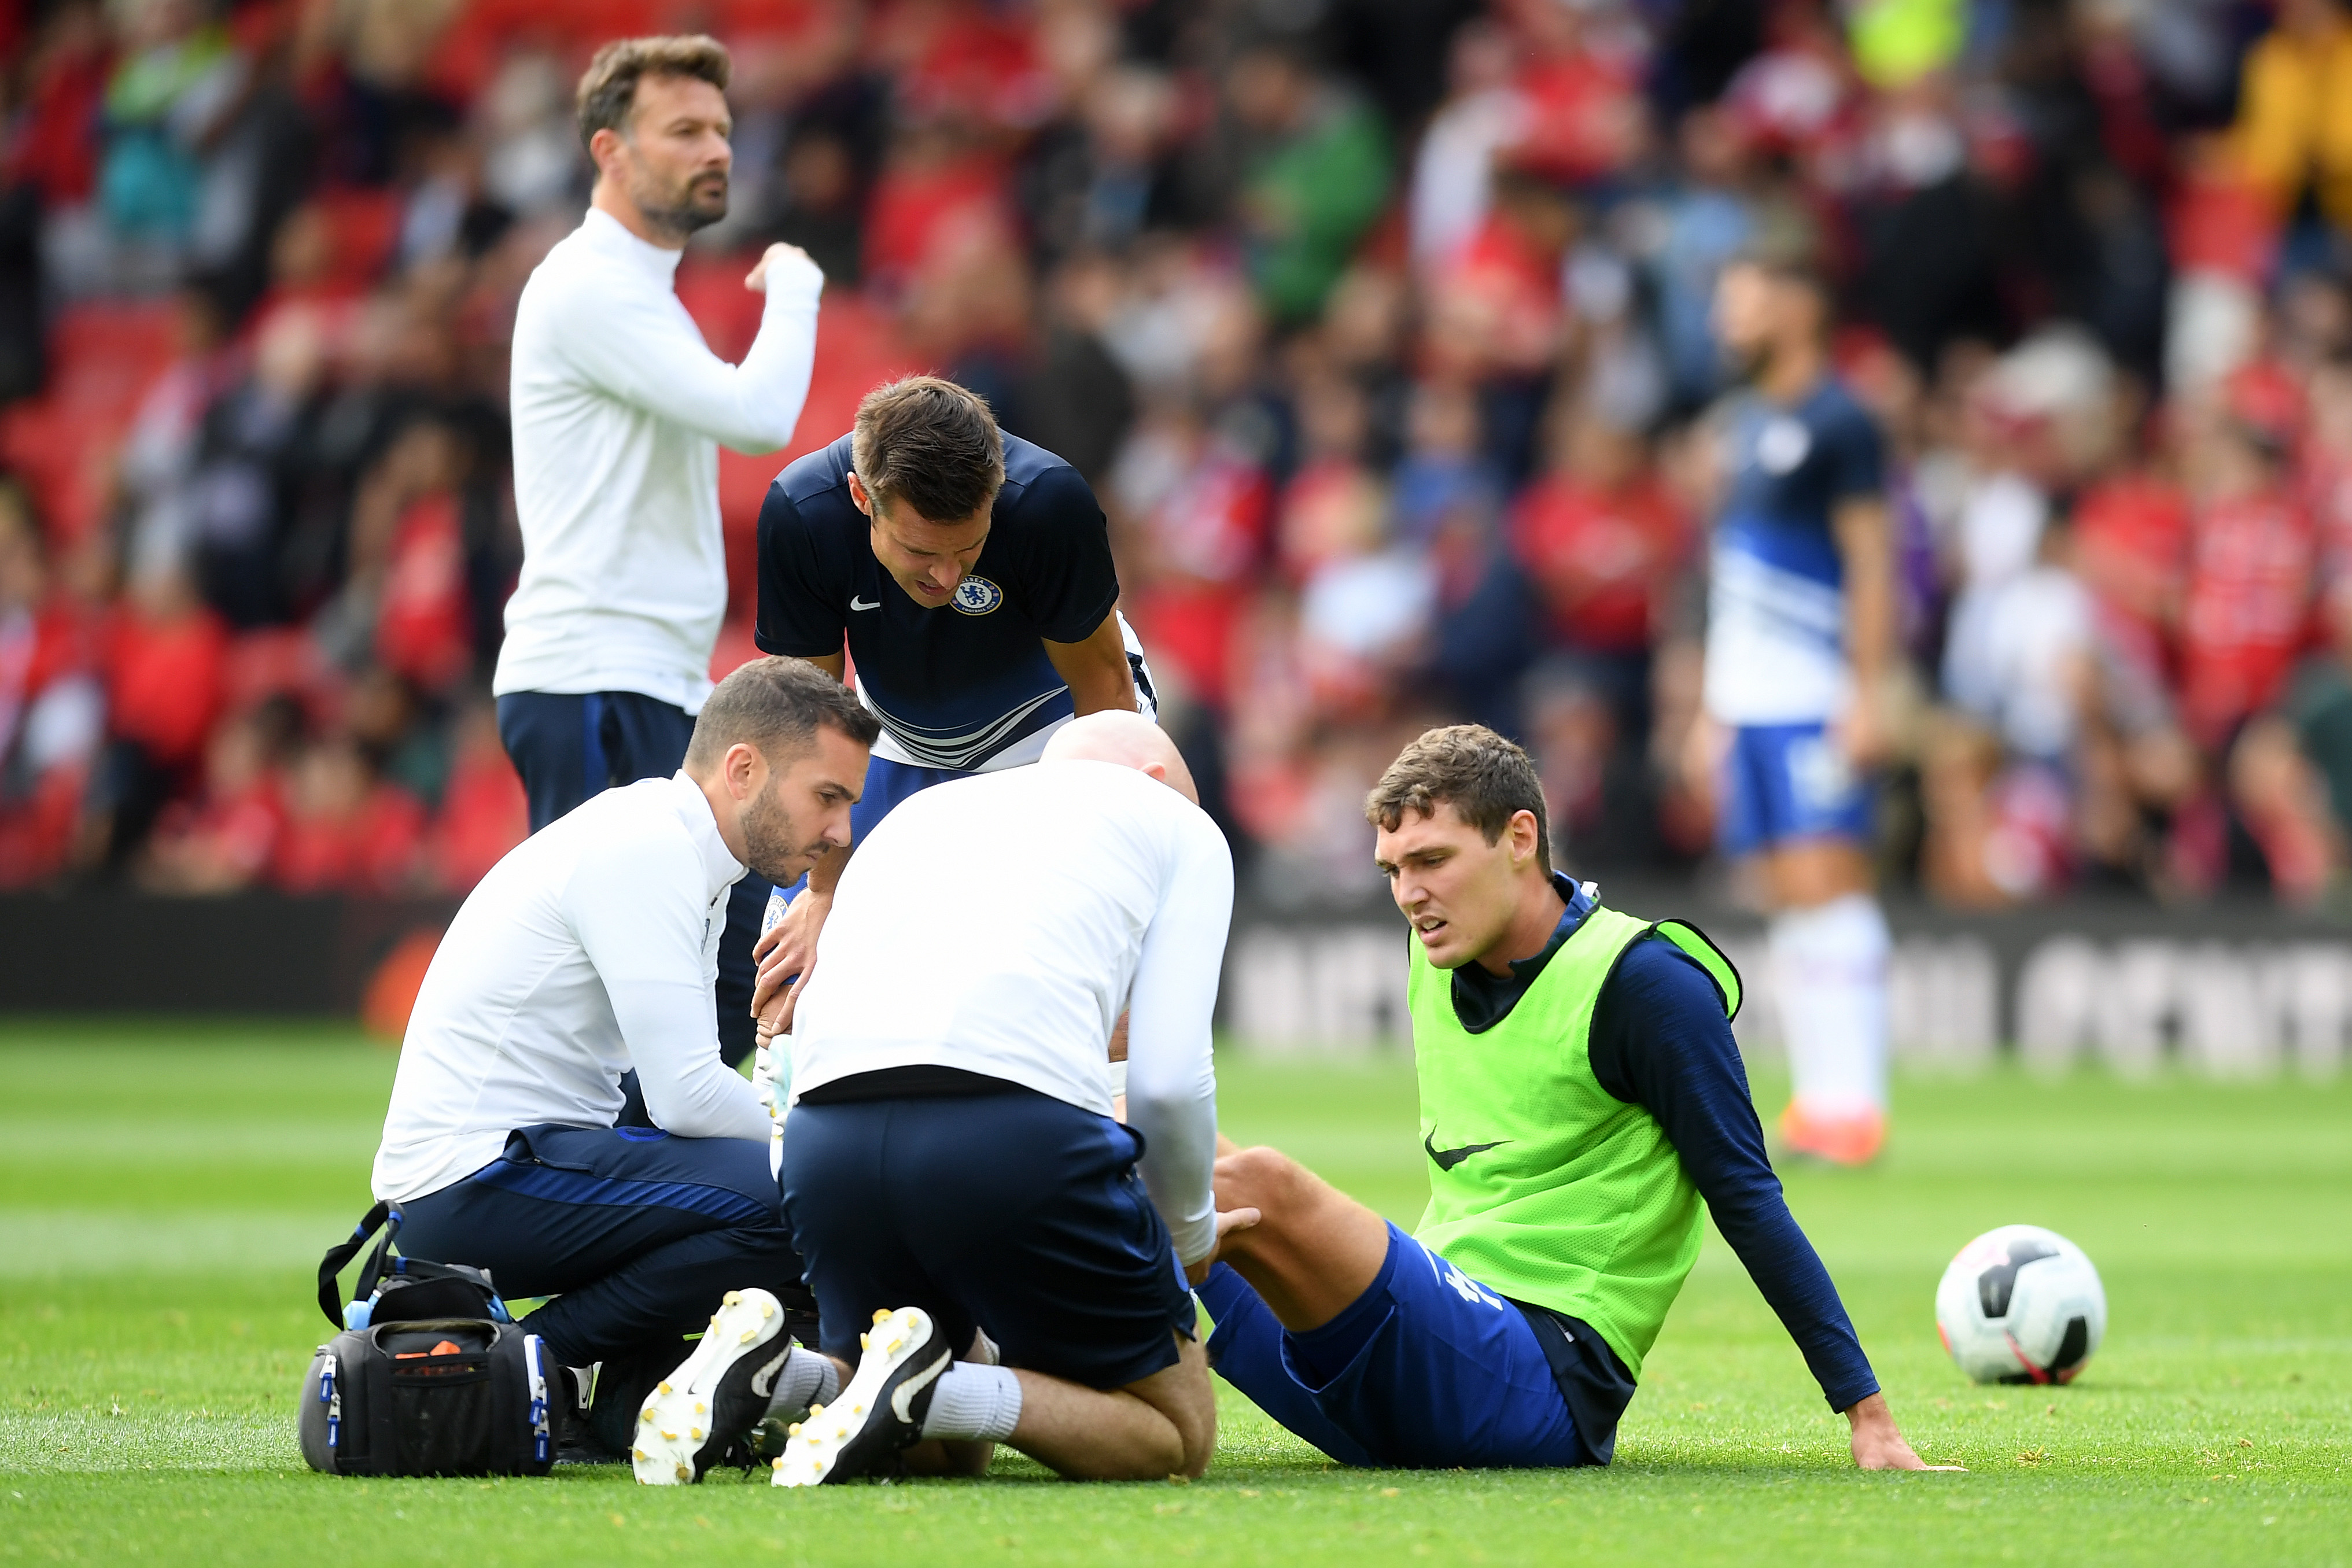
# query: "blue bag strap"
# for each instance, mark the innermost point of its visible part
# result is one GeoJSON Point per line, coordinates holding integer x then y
{"type": "Point", "coordinates": [331, 1301]}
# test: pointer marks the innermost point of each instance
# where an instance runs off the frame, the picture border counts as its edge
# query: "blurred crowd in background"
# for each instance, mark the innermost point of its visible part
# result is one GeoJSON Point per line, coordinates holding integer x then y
{"type": "Point", "coordinates": [1380, 328]}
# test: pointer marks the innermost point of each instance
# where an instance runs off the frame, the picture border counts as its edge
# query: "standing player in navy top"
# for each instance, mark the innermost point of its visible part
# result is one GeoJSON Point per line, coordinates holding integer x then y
{"type": "Point", "coordinates": [1799, 649]}
{"type": "Point", "coordinates": [968, 574]}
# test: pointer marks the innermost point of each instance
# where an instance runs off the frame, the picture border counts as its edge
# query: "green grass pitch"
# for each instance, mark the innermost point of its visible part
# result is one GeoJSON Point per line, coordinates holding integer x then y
{"type": "Point", "coordinates": [165, 1191]}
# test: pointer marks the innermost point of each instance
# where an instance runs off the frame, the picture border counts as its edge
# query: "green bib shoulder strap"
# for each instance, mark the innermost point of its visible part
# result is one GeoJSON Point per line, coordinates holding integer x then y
{"type": "Point", "coordinates": [1708, 956]}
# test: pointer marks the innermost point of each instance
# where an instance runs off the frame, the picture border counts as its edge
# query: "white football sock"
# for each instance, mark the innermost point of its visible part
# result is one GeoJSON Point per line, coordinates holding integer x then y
{"type": "Point", "coordinates": [1829, 968]}
{"type": "Point", "coordinates": [975, 1403]}
{"type": "Point", "coordinates": [806, 1378]}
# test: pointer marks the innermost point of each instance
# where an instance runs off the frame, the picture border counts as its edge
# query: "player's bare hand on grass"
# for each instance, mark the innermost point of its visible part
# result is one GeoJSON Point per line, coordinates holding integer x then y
{"type": "Point", "coordinates": [1878, 1445]}
{"type": "Point", "coordinates": [786, 949]}
{"type": "Point", "coordinates": [1228, 1221]}
{"type": "Point", "coordinates": [778, 260]}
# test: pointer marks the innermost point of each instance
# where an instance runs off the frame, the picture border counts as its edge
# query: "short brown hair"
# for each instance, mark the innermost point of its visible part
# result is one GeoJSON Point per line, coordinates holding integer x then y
{"type": "Point", "coordinates": [1486, 779]}
{"type": "Point", "coordinates": [932, 443]}
{"type": "Point", "coordinates": [608, 90]}
{"type": "Point", "coordinates": [776, 705]}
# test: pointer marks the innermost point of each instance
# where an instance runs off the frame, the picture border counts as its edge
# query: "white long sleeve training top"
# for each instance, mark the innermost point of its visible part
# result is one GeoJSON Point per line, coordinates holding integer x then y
{"type": "Point", "coordinates": [1120, 896]}
{"type": "Point", "coordinates": [618, 408]}
{"type": "Point", "coordinates": [592, 947]}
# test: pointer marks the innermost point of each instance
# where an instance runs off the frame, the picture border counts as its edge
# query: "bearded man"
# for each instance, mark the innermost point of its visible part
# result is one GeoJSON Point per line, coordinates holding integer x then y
{"type": "Point", "coordinates": [588, 953]}
{"type": "Point", "coordinates": [619, 410]}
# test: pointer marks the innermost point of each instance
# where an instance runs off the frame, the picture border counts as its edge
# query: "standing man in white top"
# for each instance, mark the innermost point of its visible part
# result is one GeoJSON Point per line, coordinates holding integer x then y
{"type": "Point", "coordinates": [950, 1160]}
{"type": "Point", "coordinates": [588, 952]}
{"type": "Point", "coordinates": [618, 409]}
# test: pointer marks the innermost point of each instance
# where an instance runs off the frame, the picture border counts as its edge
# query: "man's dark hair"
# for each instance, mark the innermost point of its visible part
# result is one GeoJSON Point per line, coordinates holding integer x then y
{"type": "Point", "coordinates": [1789, 248]}
{"type": "Point", "coordinates": [1486, 779]}
{"type": "Point", "coordinates": [608, 89]}
{"type": "Point", "coordinates": [927, 442]}
{"type": "Point", "coordinates": [776, 705]}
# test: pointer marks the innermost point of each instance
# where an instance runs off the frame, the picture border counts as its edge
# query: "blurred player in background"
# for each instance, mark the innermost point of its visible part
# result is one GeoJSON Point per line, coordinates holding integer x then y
{"type": "Point", "coordinates": [970, 574]}
{"type": "Point", "coordinates": [619, 407]}
{"type": "Point", "coordinates": [1800, 634]}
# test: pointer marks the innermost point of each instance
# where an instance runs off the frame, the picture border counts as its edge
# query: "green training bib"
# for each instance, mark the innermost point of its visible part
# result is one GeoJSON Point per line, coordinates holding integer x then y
{"type": "Point", "coordinates": [1542, 1185]}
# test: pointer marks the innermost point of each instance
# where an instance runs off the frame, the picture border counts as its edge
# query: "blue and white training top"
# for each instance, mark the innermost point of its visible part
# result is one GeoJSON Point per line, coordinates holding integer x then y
{"type": "Point", "coordinates": [1775, 610]}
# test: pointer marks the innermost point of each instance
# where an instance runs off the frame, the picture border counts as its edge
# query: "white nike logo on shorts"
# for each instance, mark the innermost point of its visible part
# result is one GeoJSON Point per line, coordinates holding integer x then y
{"type": "Point", "coordinates": [858, 603]}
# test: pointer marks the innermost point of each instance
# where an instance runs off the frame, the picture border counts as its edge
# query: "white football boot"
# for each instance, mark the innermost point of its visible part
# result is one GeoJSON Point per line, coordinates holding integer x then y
{"type": "Point", "coordinates": [878, 1414]}
{"type": "Point", "coordinates": [716, 1395]}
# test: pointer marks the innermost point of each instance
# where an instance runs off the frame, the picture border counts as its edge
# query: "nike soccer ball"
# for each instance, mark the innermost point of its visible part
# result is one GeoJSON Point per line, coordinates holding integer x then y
{"type": "Point", "coordinates": [2020, 1304]}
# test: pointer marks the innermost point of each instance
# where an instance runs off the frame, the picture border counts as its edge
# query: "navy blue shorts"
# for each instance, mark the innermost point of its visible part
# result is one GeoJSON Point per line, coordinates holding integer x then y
{"type": "Point", "coordinates": [1427, 1369]}
{"type": "Point", "coordinates": [1014, 1212]}
{"type": "Point", "coordinates": [1784, 781]}
{"type": "Point", "coordinates": [636, 1234]}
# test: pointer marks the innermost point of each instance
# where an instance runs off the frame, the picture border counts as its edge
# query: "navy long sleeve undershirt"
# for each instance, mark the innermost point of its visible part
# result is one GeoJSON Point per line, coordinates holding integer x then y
{"type": "Point", "coordinates": [1659, 1040]}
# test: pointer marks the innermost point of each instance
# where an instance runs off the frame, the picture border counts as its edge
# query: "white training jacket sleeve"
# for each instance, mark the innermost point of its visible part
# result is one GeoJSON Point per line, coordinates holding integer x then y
{"type": "Point", "coordinates": [646, 350]}
{"type": "Point", "coordinates": [639, 908]}
{"type": "Point", "coordinates": [1171, 1078]}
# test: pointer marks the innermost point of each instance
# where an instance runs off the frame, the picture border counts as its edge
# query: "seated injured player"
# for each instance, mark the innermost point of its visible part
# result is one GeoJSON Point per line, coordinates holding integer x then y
{"type": "Point", "coordinates": [951, 1168]}
{"type": "Point", "coordinates": [1581, 1094]}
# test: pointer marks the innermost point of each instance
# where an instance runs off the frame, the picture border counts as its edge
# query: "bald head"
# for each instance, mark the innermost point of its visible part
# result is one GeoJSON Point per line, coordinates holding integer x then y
{"type": "Point", "coordinates": [1128, 739]}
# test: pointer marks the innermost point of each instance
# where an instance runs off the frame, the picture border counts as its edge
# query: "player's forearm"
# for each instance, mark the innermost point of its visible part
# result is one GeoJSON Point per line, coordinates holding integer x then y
{"type": "Point", "coordinates": [1096, 671]}
{"type": "Point", "coordinates": [1179, 1123]}
{"type": "Point", "coordinates": [674, 1045]}
{"type": "Point", "coordinates": [660, 363]}
{"type": "Point", "coordinates": [639, 906]}
{"type": "Point", "coordinates": [772, 381]}
{"type": "Point", "coordinates": [1789, 1276]}
{"type": "Point", "coordinates": [1171, 1076]}
{"type": "Point", "coordinates": [1659, 1040]}
{"type": "Point", "coordinates": [1865, 551]}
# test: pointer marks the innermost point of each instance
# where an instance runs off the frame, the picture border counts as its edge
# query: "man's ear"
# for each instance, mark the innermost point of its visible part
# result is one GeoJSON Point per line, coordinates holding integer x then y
{"type": "Point", "coordinates": [604, 150]}
{"type": "Point", "coordinates": [742, 765]}
{"type": "Point", "coordinates": [1523, 835]}
{"type": "Point", "coordinates": [860, 496]}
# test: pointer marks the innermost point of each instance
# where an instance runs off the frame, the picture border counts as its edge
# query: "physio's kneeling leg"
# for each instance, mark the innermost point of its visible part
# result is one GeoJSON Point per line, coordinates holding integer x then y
{"type": "Point", "coordinates": [1159, 1425]}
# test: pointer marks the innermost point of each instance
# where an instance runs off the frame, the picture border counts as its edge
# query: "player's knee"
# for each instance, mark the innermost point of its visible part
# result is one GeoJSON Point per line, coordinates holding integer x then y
{"type": "Point", "coordinates": [1262, 1178]}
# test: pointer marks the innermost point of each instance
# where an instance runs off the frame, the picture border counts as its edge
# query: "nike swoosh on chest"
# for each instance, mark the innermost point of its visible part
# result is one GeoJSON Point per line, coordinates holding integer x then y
{"type": "Point", "coordinates": [1448, 1158]}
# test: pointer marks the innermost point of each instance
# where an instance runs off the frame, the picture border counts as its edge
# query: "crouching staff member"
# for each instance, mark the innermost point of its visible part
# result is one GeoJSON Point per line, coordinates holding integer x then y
{"type": "Point", "coordinates": [591, 950]}
{"type": "Point", "coordinates": [950, 1161]}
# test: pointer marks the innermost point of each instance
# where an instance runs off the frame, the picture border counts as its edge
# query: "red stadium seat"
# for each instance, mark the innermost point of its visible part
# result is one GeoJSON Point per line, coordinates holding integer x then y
{"type": "Point", "coordinates": [364, 228]}
{"type": "Point", "coordinates": [103, 358]}
{"type": "Point", "coordinates": [279, 660]}
{"type": "Point", "coordinates": [711, 289]}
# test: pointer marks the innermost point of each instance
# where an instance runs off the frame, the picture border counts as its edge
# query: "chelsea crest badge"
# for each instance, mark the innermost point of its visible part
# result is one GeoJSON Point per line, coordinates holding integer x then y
{"type": "Point", "coordinates": [977, 596]}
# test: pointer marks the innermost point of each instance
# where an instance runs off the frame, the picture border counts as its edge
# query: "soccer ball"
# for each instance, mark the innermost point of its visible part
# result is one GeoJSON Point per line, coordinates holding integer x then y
{"type": "Point", "coordinates": [2020, 1304]}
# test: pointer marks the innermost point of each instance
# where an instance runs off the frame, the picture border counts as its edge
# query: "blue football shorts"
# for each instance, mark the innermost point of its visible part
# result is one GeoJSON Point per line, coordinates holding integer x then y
{"type": "Point", "coordinates": [1428, 1369]}
{"type": "Point", "coordinates": [1784, 781]}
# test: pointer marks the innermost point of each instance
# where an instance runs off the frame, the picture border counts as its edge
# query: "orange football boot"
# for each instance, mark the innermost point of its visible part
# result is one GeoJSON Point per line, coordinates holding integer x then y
{"type": "Point", "coordinates": [1852, 1139]}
